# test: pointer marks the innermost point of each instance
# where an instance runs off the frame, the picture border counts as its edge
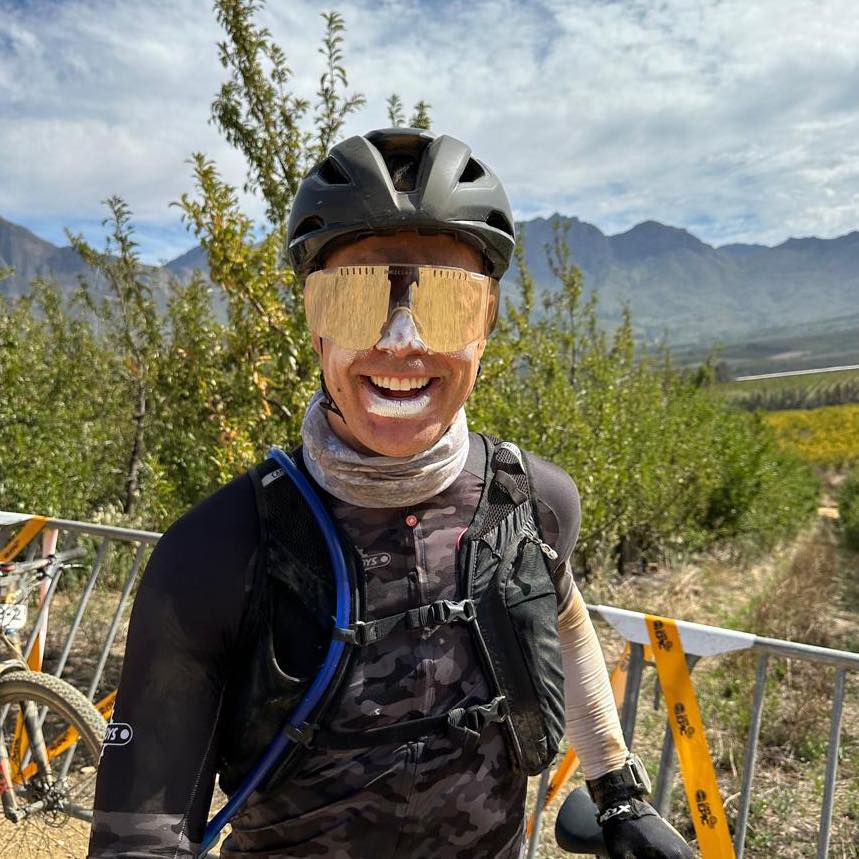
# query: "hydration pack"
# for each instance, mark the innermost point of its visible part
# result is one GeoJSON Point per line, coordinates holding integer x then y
{"type": "Point", "coordinates": [505, 595]}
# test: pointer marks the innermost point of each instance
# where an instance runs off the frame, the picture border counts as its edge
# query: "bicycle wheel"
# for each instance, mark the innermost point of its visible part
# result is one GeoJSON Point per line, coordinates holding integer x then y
{"type": "Point", "coordinates": [55, 812]}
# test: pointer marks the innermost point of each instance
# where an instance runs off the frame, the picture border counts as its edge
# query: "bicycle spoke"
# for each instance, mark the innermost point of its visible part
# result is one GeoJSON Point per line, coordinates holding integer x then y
{"type": "Point", "coordinates": [19, 745]}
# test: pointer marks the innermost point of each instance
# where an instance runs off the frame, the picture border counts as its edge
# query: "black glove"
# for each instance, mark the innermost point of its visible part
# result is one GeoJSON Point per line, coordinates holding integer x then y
{"type": "Point", "coordinates": [631, 828]}
{"type": "Point", "coordinates": [634, 830]}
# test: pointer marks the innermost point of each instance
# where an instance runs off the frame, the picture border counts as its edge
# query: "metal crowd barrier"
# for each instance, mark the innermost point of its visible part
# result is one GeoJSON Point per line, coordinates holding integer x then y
{"type": "Point", "coordinates": [698, 641]}
{"type": "Point", "coordinates": [701, 641]}
{"type": "Point", "coordinates": [54, 535]}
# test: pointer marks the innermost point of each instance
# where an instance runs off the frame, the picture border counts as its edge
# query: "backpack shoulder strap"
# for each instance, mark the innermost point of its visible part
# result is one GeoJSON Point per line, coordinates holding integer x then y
{"type": "Point", "coordinates": [293, 548]}
{"type": "Point", "coordinates": [506, 485]}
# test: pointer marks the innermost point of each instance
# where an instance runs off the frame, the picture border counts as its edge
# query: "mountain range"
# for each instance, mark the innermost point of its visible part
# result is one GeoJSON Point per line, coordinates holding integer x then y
{"type": "Point", "coordinates": [682, 289]}
{"type": "Point", "coordinates": [679, 288]}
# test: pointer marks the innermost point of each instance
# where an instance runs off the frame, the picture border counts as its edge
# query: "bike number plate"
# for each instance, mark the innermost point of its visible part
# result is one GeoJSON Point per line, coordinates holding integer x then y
{"type": "Point", "coordinates": [12, 617]}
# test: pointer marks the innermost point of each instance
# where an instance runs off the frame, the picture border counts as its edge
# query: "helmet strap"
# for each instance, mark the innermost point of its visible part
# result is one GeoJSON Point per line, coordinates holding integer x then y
{"type": "Point", "coordinates": [474, 385]}
{"type": "Point", "coordinates": [327, 402]}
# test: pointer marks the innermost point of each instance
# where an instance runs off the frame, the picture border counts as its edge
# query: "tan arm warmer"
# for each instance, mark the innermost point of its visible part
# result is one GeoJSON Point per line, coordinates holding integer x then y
{"type": "Point", "coordinates": [592, 724]}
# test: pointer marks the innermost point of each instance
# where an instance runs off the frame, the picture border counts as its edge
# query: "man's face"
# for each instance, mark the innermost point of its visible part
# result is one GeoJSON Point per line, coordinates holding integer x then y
{"type": "Point", "coordinates": [369, 386]}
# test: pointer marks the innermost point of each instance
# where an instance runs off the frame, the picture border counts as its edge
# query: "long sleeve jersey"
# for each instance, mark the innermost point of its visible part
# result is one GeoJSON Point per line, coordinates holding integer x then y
{"type": "Point", "coordinates": [428, 798]}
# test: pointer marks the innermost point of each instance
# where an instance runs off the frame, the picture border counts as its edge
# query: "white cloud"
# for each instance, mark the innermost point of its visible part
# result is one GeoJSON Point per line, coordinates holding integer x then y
{"type": "Point", "coordinates": [735, 119]}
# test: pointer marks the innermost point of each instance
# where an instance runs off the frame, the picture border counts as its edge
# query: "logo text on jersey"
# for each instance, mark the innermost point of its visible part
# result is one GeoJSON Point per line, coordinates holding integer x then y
{"type": "Point", "coordinates": [374, 560]}
{"type": "Point", "coordinates": [118, 734]}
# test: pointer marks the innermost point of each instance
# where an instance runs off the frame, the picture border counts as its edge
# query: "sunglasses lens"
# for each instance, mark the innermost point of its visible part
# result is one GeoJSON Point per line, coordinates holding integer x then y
{"type": "Point", "coordinates": [352, 304]}
{"type": "Point", "coordinates": [348, 305]}
{"type": "Point", "coordinates": [452, 307]}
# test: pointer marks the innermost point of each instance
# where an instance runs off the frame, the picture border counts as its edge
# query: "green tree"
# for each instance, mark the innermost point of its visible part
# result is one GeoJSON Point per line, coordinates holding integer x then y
{"type": "Point", "coordinates": [396, 112]}
{"type": "Point", "coordinates": [192, 393]}
{"type": "Point", "coordinates": [259, 114]}
{"type": "Point", "coordinates": [332, 108]}
{"type": "Point", "coordinates": [269, 362]}
{"type": "Point", "coordinates": [659, 462]}
{"type": "Point", "coordinates": [58, 443]}
{"type": "Point", "coordinates": [420, 117]}
{"type": "Point", "coordinates": [129, 317]}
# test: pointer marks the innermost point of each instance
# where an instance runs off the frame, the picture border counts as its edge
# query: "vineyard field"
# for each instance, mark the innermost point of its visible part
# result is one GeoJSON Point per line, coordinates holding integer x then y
{"type": "Point", "coordinates": [811, 391]}
{"type": "Point", "coordinates": [828, 343]}
{"type": "Point", "coordinates": [827, 437]}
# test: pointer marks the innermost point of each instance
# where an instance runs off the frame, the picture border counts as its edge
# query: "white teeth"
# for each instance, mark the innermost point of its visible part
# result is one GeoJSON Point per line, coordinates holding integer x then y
{"type": "Point", "coordinates": [393, 384]}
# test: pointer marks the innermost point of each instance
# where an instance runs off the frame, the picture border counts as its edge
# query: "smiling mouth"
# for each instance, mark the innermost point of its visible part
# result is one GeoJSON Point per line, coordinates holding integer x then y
{"type": "Point", "coordinates": [395, 388]}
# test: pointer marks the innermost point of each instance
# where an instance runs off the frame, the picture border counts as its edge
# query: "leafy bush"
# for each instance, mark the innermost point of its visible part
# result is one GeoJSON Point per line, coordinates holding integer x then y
{"type": "Point", "coordinates": [89, 432]}
{"type": "Point", "coordinates": [57, 441]}
{"type": "Point", "coordinates": [848, 509]}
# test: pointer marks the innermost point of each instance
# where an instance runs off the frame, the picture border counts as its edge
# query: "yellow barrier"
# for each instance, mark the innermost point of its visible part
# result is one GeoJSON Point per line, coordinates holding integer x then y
{"type": "Point", "coordinates": [23, 538]}
{"type": "Point", "coordinates": [699, 776]}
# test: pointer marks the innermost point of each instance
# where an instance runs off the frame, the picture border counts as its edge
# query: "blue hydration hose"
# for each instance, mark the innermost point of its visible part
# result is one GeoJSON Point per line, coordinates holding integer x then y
{"type": "Point", "coordinates": [279, 745]}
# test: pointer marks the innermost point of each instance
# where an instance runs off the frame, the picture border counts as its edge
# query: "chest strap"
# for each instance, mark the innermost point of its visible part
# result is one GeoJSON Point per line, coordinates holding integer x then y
{"type": "Point", "coordinates": [427, 616]}
{"type": "Point", "coordinates": [462, 724]}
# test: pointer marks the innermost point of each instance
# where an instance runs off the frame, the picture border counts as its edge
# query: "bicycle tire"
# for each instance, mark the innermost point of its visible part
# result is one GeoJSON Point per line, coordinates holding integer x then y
{"type": "Point", "coordinates": [52, 832]}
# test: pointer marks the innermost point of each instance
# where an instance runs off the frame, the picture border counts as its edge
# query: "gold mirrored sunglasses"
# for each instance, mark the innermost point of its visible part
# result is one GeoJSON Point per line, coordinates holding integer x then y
{"type": "Point", "coordinates": [351, 305]}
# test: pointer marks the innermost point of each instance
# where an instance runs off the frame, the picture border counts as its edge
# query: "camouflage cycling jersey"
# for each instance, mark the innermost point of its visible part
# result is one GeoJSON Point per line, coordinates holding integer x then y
{"type": "Point", "coordinates": [419, 799]}
{"type": "Point", "coordinates": [397, 800]}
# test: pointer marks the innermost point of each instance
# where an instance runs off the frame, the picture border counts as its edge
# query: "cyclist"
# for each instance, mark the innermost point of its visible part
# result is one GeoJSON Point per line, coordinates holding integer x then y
{"type": "Point", "coordinates": [453, 691]}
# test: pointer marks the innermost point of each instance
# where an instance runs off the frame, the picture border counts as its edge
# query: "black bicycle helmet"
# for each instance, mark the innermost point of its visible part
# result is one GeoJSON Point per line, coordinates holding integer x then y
{"type": "Point", "coordinates": [400, 179]}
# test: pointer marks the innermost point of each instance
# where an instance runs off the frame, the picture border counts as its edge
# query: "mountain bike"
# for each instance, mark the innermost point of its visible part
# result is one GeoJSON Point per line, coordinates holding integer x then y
{"type": "Point", "coordinates": [50, 734]}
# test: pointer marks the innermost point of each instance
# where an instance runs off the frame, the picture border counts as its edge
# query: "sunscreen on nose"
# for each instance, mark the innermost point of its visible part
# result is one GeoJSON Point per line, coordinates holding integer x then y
{"type": "Point", "coordinates": [401, 333]}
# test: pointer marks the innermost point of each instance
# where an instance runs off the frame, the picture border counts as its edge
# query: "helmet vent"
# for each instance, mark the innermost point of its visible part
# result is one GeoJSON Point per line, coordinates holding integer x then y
{"type": "Point", "coordinates": [402, 153]}
{"type": "Point", "coordinates": [331, 173]}
{"type": "Point", "coordinates": [308, 225]}
{"type": "Point", "coordinates": [404, 172]}
{"type": "Point", "coordinates": [472, 172]}
{"type": "Point", "coordinates": [499, 221]}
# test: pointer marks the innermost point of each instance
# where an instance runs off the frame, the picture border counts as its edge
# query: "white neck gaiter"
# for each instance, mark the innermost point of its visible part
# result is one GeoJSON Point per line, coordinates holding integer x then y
{"type": "Point", "coordinates": [372, 480]}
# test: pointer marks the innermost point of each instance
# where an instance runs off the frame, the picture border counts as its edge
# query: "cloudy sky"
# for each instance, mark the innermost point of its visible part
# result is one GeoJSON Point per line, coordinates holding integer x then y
{"type": "Point", "coordinates": [738, 119]}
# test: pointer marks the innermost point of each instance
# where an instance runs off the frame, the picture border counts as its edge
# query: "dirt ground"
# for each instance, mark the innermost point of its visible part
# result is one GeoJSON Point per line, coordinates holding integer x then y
{"type": "Point", "coordinates": [807, 591]}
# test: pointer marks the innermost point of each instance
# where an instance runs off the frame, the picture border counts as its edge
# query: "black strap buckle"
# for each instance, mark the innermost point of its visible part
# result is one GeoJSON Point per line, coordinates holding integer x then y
{"type": "Point", "coordinates": [429, 616]}
{"type": "Point", "coordinates": [355, 634]}
{"type": "Point", "coordinates": [466, 724]}
{"type": "Point", "coordinates": [440, 612]}
{"type": "Point", "coordinates": [507, 484]}
{"type": "Point", "coordinates": [301, 734]}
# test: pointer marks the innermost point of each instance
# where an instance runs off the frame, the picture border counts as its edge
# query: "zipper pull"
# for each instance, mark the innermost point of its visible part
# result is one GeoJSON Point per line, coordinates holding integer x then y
{"type": "Point", "coordinates": [548, 551]}
{"type": "Point", "coordinates": [545, 548]}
